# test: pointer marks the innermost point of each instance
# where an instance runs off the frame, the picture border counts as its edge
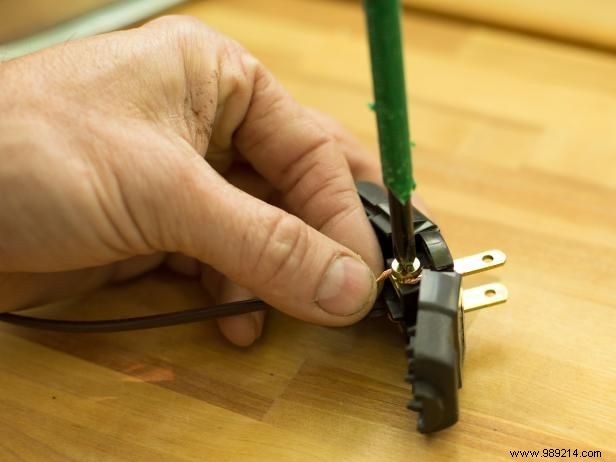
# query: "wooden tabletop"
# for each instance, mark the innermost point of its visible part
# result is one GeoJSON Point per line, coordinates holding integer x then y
{"type": "Point", "coordinates": [516, 149]}
{"type": "Point", "coordinates": [589, 22]}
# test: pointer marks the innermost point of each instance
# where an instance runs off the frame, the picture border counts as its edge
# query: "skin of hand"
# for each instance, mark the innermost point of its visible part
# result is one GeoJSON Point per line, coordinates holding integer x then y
{"type": "Point", "coordinates": [171, 144]}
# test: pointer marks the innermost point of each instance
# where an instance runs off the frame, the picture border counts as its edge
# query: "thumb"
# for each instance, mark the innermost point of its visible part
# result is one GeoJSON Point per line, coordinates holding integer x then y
{"type": "Point", "coordinates": [273, 254]}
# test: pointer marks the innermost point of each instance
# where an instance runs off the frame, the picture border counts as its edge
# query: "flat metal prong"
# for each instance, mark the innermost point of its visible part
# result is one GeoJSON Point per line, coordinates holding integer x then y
{"type": "Point", "coordinates": [484, 296]}
{"type": "Point", "coordinates": [482, 261]}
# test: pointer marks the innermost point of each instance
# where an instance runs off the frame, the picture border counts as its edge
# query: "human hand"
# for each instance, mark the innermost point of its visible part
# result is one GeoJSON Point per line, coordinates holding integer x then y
{"type": "Point", "coordinates": [103, 177]}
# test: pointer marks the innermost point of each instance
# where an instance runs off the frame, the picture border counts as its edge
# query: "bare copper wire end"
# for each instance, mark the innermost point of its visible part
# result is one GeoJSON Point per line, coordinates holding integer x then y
{"type": "Point", "coordinates": [384, 275]}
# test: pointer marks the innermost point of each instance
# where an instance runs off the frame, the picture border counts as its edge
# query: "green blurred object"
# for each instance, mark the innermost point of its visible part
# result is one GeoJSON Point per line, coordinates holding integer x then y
{"type": "Point", "coordinates": [384, 35]}
{"type": "Point", "coordinates": [106, 18]}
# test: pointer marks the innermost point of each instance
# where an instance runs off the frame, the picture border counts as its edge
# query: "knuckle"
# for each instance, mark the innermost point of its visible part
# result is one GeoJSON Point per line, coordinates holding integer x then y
{"type": "Point", "coordinates": [181, 33]}
{"type": "Point", "coordinates": [338, 204]}
{"type": "Point", "coordinates": [237, 68]}
{"type": "Point", "coordinates": [285, 249]}
{"type": "Point", "coordinates": [179, 25]}
{"type": "Point", "coordinates": [231, 49]}
{"type": "Point", "coordinates": [316, 174]}
{"type": "Point", "coordinates": [265, 84]}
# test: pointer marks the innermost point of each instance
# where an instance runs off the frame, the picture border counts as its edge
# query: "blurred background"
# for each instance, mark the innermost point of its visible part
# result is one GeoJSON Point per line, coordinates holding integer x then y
{"type": "Point", "coordinates": [26, 25]}
{"type": "Point", "coordinates": [29, 25]}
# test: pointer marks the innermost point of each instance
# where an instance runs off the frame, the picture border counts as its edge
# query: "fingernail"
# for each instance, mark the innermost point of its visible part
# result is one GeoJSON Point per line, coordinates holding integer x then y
{"type": "Point", "coordinates": [347, 287]}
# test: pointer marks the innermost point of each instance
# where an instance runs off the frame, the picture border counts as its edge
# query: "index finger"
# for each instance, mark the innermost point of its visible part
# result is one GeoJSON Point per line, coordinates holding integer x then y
{"type": "Point", "coordinates": [287, 146]}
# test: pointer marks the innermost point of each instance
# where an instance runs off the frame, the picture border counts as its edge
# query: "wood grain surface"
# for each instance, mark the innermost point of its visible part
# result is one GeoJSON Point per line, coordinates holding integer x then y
{"type": "Point", "coordinates": [589, 22]}
{"type": "Point", "coordinates": [516, 149]}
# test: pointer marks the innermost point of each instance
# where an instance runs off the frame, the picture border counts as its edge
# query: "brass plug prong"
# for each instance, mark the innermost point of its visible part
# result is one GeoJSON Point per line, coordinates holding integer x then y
{"type": "Point", "coordinates": [487, 294]}
{"type": "Point", "coordinates": [484, 296]}
{"type": "Point", "coordinates": [479, 262]}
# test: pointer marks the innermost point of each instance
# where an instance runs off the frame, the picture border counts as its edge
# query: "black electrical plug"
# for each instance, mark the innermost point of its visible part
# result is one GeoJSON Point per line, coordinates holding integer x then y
{"type": "Point", "coordinates": [430, 311]}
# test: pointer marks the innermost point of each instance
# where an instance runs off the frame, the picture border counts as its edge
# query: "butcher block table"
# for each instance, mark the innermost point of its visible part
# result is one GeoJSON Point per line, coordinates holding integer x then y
{"type": "Point", "coordinates": [516, 149]}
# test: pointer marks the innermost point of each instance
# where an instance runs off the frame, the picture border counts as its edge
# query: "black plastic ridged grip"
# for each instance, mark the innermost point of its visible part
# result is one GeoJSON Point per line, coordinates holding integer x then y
{"type": "Point", "coordinates": [435, 351]}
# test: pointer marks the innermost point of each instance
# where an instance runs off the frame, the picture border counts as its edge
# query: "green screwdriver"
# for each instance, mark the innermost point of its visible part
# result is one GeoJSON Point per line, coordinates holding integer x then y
{"type": "Point", "coordinates": [385, 38]}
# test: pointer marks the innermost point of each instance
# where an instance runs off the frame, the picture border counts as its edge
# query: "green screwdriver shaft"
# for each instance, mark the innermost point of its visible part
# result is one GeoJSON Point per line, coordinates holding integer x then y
{"type": "Point", "coordinates": [384, 35]}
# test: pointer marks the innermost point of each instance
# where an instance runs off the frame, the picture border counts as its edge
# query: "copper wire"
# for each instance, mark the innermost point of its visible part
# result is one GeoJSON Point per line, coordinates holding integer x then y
{"type": "Point", "coordinates": [384, 275]}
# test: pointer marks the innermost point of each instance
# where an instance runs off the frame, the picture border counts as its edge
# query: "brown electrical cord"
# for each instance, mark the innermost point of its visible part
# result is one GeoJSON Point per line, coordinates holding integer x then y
{"type": "Point", "coordinates": [144, 322]}
{"type": "Point", "coordinates": [141, 322]}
